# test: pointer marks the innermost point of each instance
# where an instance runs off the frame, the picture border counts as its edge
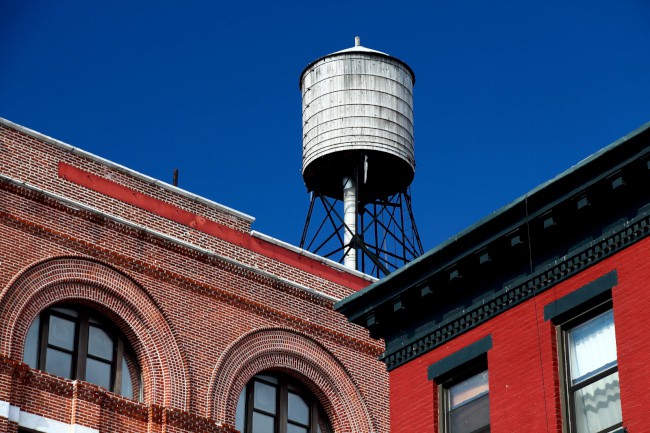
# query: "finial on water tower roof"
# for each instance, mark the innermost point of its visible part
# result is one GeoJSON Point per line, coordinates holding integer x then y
{"type": "Point", "coordinates": [357, 41]}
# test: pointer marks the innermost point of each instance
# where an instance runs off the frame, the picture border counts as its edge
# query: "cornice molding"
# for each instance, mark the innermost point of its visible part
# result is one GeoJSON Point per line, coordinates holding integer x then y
{"type": "Point", "coordinates": [609, 185]}
{"type": "Point", "coordinates": [519, 291]}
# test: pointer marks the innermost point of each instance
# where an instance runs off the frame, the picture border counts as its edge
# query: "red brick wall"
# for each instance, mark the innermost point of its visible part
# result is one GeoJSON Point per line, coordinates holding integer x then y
{"type": "Point", "coordinates": [523, 365]}
{"type": "Point", "coordinates": [201, 326]}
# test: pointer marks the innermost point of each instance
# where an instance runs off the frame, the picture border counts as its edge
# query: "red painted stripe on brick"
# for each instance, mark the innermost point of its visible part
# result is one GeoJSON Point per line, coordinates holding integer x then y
{"type": "Point", "coordinates": [174, 213]}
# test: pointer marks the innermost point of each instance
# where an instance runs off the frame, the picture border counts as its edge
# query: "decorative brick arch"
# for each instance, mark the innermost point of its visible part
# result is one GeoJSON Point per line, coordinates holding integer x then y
{"type": "Point", "coordinates": [107, 290]}
{"type": "Point", "coordinates": [295, 354]}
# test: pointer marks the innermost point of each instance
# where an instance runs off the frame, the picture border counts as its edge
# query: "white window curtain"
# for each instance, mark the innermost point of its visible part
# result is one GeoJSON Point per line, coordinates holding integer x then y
{"type": "Point", "coordinates": [598, 405]}
{"type": "Point", "coordinates": [592, 346]}
{"type": "Point", "coordinates": [592, 350]}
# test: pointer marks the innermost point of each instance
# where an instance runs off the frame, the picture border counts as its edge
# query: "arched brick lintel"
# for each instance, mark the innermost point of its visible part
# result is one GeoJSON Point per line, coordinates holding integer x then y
{"type": "Point", "coordinates": [82, 280]}
{"type": "Point", "coordinates": [298, 355]}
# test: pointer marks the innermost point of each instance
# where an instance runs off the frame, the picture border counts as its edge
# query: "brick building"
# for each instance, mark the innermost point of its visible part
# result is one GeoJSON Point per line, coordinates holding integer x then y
{"type": "Point", "coordinates": [534, 319]}
{"type": "Point", "coordinates": [129, 305]}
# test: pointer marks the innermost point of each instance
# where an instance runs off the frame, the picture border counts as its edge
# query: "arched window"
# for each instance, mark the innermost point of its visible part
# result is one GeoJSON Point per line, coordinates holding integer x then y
{"type": "Point", "coordinates": [79, 343]}
{"type": "Point", "coordinates": [276, 403]}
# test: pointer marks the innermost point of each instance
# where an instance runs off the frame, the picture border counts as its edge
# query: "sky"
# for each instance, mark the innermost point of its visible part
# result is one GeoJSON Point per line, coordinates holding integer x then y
{"type": "Point", "coordinates": [508, 94]}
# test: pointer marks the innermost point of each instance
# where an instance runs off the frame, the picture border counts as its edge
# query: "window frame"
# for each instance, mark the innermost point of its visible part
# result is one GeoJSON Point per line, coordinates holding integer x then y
{"type": "Point", "coordinates": [564, 324]}
{"type": "Point", "coordinates": [285, 384]}
{"type": "Point", "coordinates": [567, 312]}
{"type": "Point", "coordinates": [454, 377]}
{"type": "Point", "coordinates": [455, 368]}
{"type": "Point", "coordinates": [85, 319]}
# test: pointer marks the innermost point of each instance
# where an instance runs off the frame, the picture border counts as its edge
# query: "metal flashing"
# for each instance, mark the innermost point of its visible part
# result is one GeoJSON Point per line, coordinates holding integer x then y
{"type": "Point", "coordinates": [312, 256]}
{"type": "Point", "coordinates": [126, 170]}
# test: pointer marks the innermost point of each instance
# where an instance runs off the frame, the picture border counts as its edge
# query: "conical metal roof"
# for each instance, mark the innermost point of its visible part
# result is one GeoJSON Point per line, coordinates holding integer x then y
{"type": "Point", "coordinates": [357, 48]}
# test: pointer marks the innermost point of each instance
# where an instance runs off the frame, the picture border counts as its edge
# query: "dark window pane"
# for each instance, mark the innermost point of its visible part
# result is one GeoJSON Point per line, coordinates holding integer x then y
{"type": "Point", "coordinates": [298, 409]}
{"type": "Point", "coordinates": [98, 372]}
{"type": "Point", "coordinates": [264, 397]}
{"type": "Point", "coordinates": [471, 416]}
{"type": "Point", "coordinates": [268, 378]}
{"type": "Point", "coordinates": [100, 344]}
{"type": "Point", "coordinates": [127, 384]}
{"type": "Point", "coordinates": [240, 421]}
{"type": "Point", "coordinates": [323, 423]}
{"type": "Point", "coordinates": [96, 320]}
{"type": "Point", "coordinates": [468, 389]}
{"type": "Point", "coordinates": [68, 311]}
{"type": "Point", "coordinates": [295, 429]}
{"type": "Point", "coordinates": [30, 354]}
{"type": "Point", "coordinates": [58, 363]}
{"type": "Point", "coordinates": [598, 405]}
{"type": "Point", "coordinates": [263, 423]}
{"type": "Point", "coordinates": [61, 333]}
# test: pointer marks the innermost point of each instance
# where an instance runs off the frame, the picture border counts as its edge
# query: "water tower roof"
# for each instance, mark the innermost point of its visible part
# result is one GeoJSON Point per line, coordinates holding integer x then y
{"type": "Point", "coordinates": [357, 48]}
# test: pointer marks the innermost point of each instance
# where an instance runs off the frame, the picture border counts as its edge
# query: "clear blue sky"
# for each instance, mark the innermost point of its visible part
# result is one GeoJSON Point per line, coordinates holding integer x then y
{"type": "Point", "coordinates": [508, 93]}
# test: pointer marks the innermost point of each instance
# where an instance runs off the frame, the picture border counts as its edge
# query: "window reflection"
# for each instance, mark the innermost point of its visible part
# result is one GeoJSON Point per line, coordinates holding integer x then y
{"type": "Point", "coordinates": [298, 410]}
{"type": "Point", "coordinates": [59, 363]}
{"type": "Point", "coordinates": [468, 409]}
{"type": "Point", "coordinates": [62, 333]}
{"type": "Point", "coordinates": [264, 397]}
{"type": "Point", "coordinates": [100, 343]}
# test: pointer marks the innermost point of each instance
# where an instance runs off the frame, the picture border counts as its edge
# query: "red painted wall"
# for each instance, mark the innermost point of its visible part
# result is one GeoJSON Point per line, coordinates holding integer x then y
{"type": "Point", "coordinates": [523, 365]}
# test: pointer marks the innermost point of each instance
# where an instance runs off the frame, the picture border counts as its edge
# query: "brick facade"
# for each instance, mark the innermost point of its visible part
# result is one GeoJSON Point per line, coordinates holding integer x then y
{"type": "Point", "coordinates": [523, 362]}
{"type": "Point", "coordinates": [205, 303]}
{"type": "Point", "coordinates": [501, 296]}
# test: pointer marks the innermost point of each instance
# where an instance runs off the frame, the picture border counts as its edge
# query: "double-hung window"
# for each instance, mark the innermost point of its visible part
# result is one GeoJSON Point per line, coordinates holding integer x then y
{"type": "Point", "coordinates": [467, 405]}
{"type": "Point", "coordinates": [591, 370]}
{"type": "Point", "coordinates": [463, 389]}
{"type": "Point", "coordinates": [591, 395]}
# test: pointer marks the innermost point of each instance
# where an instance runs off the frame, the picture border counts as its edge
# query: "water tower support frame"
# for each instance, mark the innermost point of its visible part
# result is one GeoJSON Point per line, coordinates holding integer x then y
{"type": "Point", "coordinates": [386, 237]}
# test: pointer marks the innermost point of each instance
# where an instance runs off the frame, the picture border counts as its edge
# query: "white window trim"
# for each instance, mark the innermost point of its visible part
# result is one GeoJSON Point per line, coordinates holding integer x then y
{"type": "Point", "coordinates": [39, 423]}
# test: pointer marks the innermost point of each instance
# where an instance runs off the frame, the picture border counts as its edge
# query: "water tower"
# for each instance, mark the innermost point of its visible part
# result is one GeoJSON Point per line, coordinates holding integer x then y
{"type": "Point", "coordinates": [358, 159]}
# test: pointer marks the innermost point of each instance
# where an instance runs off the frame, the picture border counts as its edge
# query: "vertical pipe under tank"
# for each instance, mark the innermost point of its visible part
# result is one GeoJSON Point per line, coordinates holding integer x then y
{"type": "Point", "coordinates": [350, 221]}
